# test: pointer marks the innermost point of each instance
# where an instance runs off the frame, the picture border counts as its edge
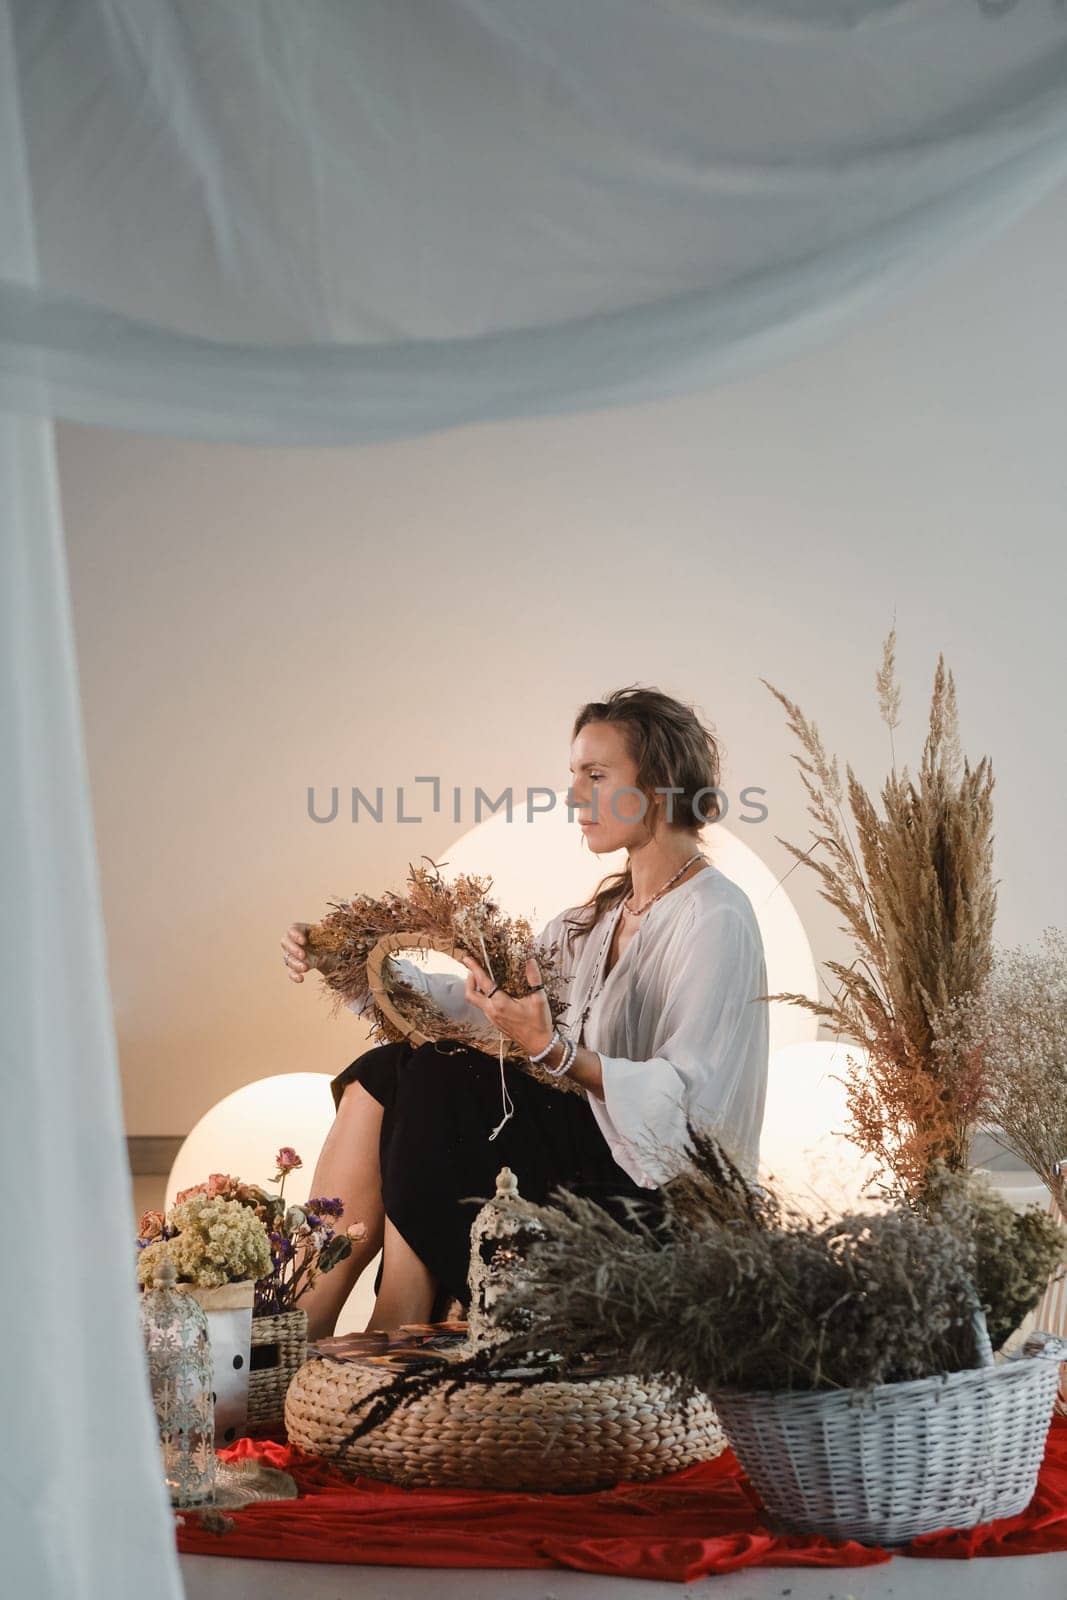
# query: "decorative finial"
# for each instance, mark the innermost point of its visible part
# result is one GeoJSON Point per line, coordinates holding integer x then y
{"type": "Point", "coordinates": [166, 1274]}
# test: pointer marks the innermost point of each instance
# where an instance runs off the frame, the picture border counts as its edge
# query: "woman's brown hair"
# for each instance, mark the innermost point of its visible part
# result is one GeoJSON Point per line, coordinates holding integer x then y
{"type": "Point", "coordinates": [671, 748]}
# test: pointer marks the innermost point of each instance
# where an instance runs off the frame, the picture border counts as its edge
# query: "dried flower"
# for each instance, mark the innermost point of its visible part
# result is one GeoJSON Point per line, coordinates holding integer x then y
{"type": "Point", "coordinates": [356, 1231]}
{"type": "Point", "coordinates": [734, 1288]}
{"type": "Point", "coordinates": [187, 1194]}
{"type": "Point", "coordinates": [1012, 1032]}
{"type": "Point", "coordinates": [151, 1226]}
{"type": "Point", "coordinates": [216, 1241]}
{"type": "Point", "coordinates": [297, 1243]}
{"type": "Point", "coordinates": [754, 1294]}
{"type": "Point", "coordinates": [1016, 1254]}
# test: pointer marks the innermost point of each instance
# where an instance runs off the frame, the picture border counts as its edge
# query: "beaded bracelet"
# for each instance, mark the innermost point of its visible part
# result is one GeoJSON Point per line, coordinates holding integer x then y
{"type": "Point", "coordinates": [557, 1038]}
{"type": "Point", "coordinates": [570, 1050]}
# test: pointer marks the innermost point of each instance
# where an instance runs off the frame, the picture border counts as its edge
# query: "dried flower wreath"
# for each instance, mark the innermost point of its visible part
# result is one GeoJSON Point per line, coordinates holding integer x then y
{"type": "Point", "coordinates": [351, 946]}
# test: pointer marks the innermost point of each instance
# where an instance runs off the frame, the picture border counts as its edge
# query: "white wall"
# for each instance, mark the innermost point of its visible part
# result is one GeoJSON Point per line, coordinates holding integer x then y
{"type": "Point", "coordinates": [252, 621]}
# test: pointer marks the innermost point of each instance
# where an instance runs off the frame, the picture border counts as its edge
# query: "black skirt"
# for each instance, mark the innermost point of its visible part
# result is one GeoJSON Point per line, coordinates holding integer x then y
{"type": "Point", "coordinates": [439, 1165]}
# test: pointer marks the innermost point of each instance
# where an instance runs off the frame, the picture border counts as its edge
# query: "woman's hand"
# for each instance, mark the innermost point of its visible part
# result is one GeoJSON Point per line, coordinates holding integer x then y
{"type": "Point", "coordinates": [527, 1020]}
{"type": "Point", "coordinates": [298, 958]}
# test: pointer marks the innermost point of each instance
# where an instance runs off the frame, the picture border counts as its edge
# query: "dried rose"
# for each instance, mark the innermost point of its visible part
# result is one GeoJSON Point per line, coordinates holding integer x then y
{"type": "Point", "coordinates": [288, 1160]}
{"type": "Point", "coordinates": [151, 1225]}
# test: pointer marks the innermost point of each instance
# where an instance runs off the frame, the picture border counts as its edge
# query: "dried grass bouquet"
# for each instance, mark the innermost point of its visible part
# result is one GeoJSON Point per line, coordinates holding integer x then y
{"type": "Point", "coordinates": [918, 897]}
{"type": "Point", "coordinates": [732, 1287]}
{"type": "Point", "coordinates": [459, 913]}
{"type": "Point", "coordinates": [738, 1289]}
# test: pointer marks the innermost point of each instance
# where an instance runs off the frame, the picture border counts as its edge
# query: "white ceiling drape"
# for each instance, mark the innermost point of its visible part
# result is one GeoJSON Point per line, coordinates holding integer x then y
{"type": "Point", "coordinates": [339, 222]}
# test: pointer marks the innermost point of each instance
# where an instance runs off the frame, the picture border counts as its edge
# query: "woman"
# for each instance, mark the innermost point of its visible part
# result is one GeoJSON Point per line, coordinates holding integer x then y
{"type": "Point", "coordinates": [664, 965]}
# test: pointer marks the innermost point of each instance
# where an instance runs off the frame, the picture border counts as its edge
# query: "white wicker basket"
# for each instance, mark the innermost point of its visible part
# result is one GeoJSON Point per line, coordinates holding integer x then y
{"type": "Point", "coordinates": [886, 1464]}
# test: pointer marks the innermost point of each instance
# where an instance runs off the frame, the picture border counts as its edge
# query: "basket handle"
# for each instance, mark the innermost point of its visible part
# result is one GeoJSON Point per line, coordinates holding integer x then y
{"type": "Point", "coordinates": [1040, 1343]}
{"type": "Point", "coordinates": [983, 1347]}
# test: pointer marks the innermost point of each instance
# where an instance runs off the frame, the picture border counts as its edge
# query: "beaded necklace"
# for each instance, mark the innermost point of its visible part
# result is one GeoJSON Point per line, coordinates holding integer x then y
{"type": "Point", "coordinates": [606, 943]}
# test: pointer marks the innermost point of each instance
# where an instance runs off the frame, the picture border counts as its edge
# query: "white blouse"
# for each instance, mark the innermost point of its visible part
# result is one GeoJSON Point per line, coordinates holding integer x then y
{"type": "Point", "coordinates": [676, 1023]}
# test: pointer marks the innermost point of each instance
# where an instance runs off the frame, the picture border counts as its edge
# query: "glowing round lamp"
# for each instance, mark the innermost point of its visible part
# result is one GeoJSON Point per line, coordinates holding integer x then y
{"type": "Point", "coordinates": [803, 1147]}
{"type": "Point", "coordinates": [539, 866]}
{"type": "Point", "coordinates": [242, 1134]}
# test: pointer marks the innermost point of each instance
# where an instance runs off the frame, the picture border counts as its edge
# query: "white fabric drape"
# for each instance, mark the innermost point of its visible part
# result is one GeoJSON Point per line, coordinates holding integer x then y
{"type": "Point", "coordinates": [83, 1515]}
{"type": "Point", "coordinates": [347, 220]}
{"type": "Point", "coordinates": [332, 222]}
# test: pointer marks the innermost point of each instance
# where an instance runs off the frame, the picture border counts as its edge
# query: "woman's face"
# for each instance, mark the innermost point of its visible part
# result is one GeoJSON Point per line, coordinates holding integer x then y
{"type": "Point", "coordinates": [600, 769]}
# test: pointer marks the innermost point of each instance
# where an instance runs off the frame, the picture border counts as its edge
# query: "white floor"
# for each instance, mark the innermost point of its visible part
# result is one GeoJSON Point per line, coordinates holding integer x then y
{"type": "Point", "coordinates": [1013, 1578]}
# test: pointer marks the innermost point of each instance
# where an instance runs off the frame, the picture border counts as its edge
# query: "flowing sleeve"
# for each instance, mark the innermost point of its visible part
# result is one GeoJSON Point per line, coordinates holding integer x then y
{"type": "Point", "coordinates": [708, 1060]}
{"type": "Point", "coordinates": [444, 990]}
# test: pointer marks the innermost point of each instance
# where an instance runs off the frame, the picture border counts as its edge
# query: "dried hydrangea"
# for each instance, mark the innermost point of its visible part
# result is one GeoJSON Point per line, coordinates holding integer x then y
{"type": "Point", "coordinates": [217, 1241]}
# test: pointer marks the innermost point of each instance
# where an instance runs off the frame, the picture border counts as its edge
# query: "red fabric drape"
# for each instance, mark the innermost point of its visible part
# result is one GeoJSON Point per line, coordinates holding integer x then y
{"type": "Point", "coordinates": [699, 1521]}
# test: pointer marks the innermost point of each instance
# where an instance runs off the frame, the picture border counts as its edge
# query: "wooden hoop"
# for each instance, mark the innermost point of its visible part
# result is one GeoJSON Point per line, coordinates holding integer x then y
{"type": "Point", "coordinates": [387, 946]}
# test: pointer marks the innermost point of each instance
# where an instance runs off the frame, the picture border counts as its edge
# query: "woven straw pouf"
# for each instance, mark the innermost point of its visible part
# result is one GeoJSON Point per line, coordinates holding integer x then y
{"type": "Point", "coordinates": [551, 1435]}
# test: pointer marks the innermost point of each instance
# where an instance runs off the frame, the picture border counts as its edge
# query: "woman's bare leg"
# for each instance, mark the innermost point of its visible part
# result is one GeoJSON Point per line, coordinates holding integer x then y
{"type": "Point", "coordinates": [408, 1287]}
{"type": "Point", "coordinates": [349, 1168]}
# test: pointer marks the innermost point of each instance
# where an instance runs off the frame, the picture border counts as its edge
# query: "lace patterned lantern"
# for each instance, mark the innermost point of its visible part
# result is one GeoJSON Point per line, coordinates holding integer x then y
{"type": "Point", "coordinates": [500, 1236]}
{"type": "Point", "coordinates": [176, 1339]}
